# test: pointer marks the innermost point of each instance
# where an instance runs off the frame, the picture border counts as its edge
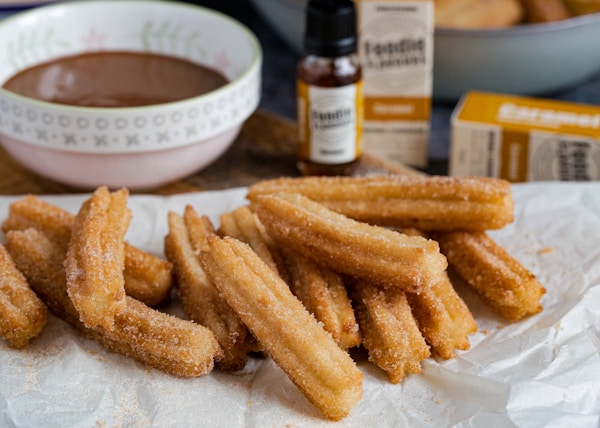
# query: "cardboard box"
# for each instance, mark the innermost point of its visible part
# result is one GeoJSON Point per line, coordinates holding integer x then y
{"type": "Point", "coordinates": [524, 139]}
{"type": "Point", "coordinates": [396, 53]}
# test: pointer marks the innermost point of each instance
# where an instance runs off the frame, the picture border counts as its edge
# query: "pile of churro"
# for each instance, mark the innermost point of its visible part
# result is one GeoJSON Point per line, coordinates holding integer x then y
{"type": "Point", "coordinates": [308, 270]}
{"type": "Point", "coordinates": [482, 14]}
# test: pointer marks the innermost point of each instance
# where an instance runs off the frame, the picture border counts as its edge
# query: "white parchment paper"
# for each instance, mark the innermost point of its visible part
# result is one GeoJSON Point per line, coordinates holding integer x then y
{"type": "Point", "coordinates": [542, 371]}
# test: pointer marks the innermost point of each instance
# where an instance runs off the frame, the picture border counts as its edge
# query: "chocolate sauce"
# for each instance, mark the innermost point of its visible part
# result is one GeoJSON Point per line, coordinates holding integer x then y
{"type": "Point", "coordinates": [115, 79]}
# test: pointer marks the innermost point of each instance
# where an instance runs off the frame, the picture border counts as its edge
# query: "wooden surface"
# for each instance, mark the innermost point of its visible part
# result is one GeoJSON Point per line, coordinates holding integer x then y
{"type": "Point", "coordinates": [264, 149]}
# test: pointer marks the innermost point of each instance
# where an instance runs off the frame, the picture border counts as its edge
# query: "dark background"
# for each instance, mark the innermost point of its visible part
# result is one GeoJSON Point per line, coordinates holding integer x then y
{"type": "Point", "coordinates": [279, 80]}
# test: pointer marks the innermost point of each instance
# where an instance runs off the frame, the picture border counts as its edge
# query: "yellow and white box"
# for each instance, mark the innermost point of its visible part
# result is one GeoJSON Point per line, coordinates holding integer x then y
{"type": "Point", "coordinates": [524, 138]}
{"type": "Point", "coordinates": [396, 54]}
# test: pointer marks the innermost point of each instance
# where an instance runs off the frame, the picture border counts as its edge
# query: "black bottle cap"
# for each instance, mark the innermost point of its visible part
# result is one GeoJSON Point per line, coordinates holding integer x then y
{"type": "Point", "coordinates": [330, 28]}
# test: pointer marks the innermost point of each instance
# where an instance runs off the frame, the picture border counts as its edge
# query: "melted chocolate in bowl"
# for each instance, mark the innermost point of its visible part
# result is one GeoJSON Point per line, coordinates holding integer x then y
{"type": "Point", "coordinates": [115, 79]}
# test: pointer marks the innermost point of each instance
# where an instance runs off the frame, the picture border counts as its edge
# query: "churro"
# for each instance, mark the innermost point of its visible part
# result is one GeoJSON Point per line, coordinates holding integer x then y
{"type": "Point", "coordinates": [503, 282]}
{"type": "Point", "coordinates": [425, 203]}
{"type": "Point", "coordinates": [545, 10]}
{"type": "Point", "coordinates": [390, 333]}
{"type": "Point", "coordinates": [96, 258]}
{"type": "Point", "coordinates": [147, 277]}
{"type": "Point", "coordinates": [23, 315]}
{"type": "Point", "coordinates": [373, 253]}
{"type": "Point", "coordinates": [322, 292]}
{"type": "Point", "coordinates": [478, 14]}
{"type": "Point", "coordinates": [201, 300]}
{"type": "Point", "coordinates": [305, 352]}
{"type": "Point", "coordinates": [442, 316]}
{"type": "Point", "coordinates": [167, 343]}
{"type": "Point", "coordinates": [245, 226]}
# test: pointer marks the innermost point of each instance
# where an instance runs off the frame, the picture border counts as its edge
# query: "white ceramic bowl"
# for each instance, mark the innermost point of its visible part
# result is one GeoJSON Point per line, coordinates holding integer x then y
{"type": "Point", "coordinates": [531, 59]}
{"type": "Point", "coordinates": [138, 147]}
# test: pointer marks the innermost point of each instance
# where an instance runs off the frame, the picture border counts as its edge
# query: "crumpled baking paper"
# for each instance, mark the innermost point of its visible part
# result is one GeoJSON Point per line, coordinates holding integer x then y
{"type": "Point", "coordinates": [542, 371]}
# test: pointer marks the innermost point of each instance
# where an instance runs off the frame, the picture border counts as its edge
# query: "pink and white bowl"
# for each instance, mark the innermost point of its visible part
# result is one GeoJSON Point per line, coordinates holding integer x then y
{"type": "Point", "coordinates": [138, 147]}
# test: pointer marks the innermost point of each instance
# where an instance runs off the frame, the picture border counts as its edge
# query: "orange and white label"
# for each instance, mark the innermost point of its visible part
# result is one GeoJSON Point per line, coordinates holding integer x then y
{"type": "Point", "coordinates": [525, 139]}
{"type": "Point", "coordinates": [329, 123]}
{"type": "Point", "coordinates": [526, 113]}
{"type": "Point", "coordinates": [396, 51]}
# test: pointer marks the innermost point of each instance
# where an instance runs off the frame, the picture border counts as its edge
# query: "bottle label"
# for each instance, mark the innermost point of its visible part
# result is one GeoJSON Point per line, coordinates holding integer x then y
{"type": "Point", "coordinates": [329, 123]}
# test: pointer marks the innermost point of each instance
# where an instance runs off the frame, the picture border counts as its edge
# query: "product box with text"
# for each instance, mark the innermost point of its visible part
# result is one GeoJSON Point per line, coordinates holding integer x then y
{"type": "Point", "coordinates": [524, 138]}
{"type": "Point", "coordinates": [396, 52]}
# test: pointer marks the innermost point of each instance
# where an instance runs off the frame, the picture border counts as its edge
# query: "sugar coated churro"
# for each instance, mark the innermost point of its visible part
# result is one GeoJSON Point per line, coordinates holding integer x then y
{"type": "Point", "coordinates": [390, 333]}
{"type": "Point", "coordinates": [201, 300]}
{"type": "Point", "coordinates": [426, 203]}
{"type": "Point", "coordinates": [243, 225]}
{"type": "Point", "coordinates": [167, 343]}
{"type": "Point", "coordinates": [347, 246]}
{"type": "Point", "coordinates": [443, 317]}
{"type": "Point", "coordinates": [96, 258]}
{"type": "Point", "coordinates": [323, 294]}
{"type": "Point", "coordinates": [22, 314]}
{"type": "Point", "coordinates": [320, 290]}
{"type": "Point", "coordinates": [502, 281]}
{"type": "Point", "coordinates": [306, 353]}
{"type": "Point", "coordinates": [147, 277]}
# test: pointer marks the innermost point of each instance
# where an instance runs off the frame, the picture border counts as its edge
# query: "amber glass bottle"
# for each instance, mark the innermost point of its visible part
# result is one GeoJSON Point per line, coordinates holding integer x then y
{"type": "Point", "coordinates": [329, 88]}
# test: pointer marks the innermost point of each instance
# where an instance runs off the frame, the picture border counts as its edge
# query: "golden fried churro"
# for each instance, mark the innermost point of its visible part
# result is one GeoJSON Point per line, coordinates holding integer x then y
{"type": "Point", "coordinates": [323, 294]}
{"type": "Point", "coordinates": [96, 258]}
{"type": "Point", "coordinates": [243, 225]}
{"type": "Point", "coordinates": [390, 333]}
{"type": "Point", "coordinates": [545, 10]}
{"type": "Point", "coordinates": [23, 315]}
{"type": "Point", "coordinates": [476, 14]}
{"type": "Point", "coordinates": [167, 343]}
{"type": "Point", "coordinates": [425, 203]}
{"type": "Point", "coordinates": [442, 316]}
{"type": "Point", "coordinates": [372, 253]}
{"type": "Point", "coordinates": [201, 300]}
{"type": "Point", "coordinates": [306, 353]}
{"type": "Point", "coordinates": [505, 284]}
{"type": "Point", "coordinates": [147, 278]}
{"type": "Point", "coordinates": [320, 290]}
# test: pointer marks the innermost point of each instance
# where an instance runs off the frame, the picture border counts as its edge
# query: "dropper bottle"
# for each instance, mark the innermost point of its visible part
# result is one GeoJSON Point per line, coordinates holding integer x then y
{"type": "Point", "coordinates": [329, 91]}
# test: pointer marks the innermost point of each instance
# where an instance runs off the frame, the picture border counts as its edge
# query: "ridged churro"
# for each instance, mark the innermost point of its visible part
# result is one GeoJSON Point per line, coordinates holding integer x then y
{"type": "Point", "coordinates": [503, 282]}
{"type": "Point", "coordinates": [373, 253]}
{"type": "Point", "coordinates": [201, 300]}
{"type": "Point", "coordinates": [441, 314]}
{"type": "Point", "coordinates": [323, 294]}
{"type": "Point", "coordinates": [147, 278]}
{"type": "Point", "coordinates": [96, 258]}
{"type": "Point", "coordinates": [245, 226]}
{"type": "Point", "coordinates": [305, 352]}
{"type": "Point", "coordinates": [320, 290]}
{"type": "Point", "coordinates": [167, 343]}
{"type": "Point", "coordinates": [23, 315]}
{"type": "Point", "coordinates": [425, 203]}
{"type": "Point", "coordinates": [443, 318]}
{"type": "Point", "coordinates": [390, 333]}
